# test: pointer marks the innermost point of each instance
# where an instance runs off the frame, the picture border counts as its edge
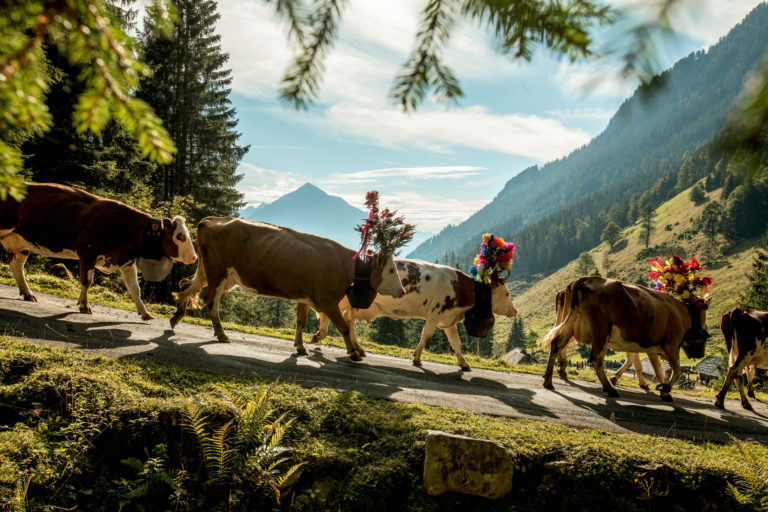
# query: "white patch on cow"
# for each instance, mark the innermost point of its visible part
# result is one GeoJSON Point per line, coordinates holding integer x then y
{"type": "Point", "coordinates": [501, 302]}
{"type": "Point", "coordinates": [760, 355]}
{"type": "Point", "coordinates": [618, 343]}
{"type": "Point", "coordinates": [16, 243]}
{"type": "Point", "coordinates": [186, 248]}
{"type": "Point", "coordinates": [105, 264]}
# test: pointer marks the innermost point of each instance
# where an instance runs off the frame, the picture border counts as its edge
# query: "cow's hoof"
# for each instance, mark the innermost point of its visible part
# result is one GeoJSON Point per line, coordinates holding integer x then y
{"type": "Point", "coordinates": [30, 298]}
{"type": "Point", "coordinates": [355, 357]}
{"type": "Point", "coordinates": [611, 392]}
{"type": "Point", "coordinates": [86, 310]}
{"type": "Point", "coordinates": [222, 338]}
{"type": "Point", "coordinates": [301, 351]}
{"type": "Point", "coordinates": [746, 405]}
{"type": "Point", "coordinates": [549, 385]}
{"type": "Point", "coordinates": [720, 404]}
{"type": "Point", "coordinates": [147, 317]}
{"type": "Point", "coordinates": [614, 380]}
{"type": "Point", "coordinates": [751, 394]}
{"type": "Point", "coordinates": [362, 353]}
{"type": "Point", "coordinates": [417, 363]}
{"type": "Point", "coordinates": [644, 386]}
{"type": "Point", "coordinates": [316, 338]}
{"type": "Point", "coordinates": [466, 368]}
{"type": "Point", "coordinates": [176, 318]}
{"type": "Point", "coordinates": [666, 398]}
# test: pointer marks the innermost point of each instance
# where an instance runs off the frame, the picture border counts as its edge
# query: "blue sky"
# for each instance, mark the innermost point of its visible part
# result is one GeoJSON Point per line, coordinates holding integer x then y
{"type": "Point", "coordinates": [439, 164]}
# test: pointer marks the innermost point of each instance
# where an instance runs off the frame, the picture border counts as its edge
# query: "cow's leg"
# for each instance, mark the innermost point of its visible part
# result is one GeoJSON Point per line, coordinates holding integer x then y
{"type": "Point", "coordinates": [302, 313]}
{"type": "Point", "coordinates": [86, 280]}
{"type": "Point", "coordinates": [322, 330]}
{"type": "Point", "coordinates": [666, 387]}
{"type": "Point", "coordinates": [740, 386]}
{"type": "Point", "coordinates": [638, 364]}
{"type": "Point", "coordinates": [426, 334]}
{"type": "Point", "coordinates": [16, 260]}
{"type": "Point", "coordinates": [750, 372]}
{"type": "Point", "coordinates": [132, 283]}
{"type": "Point", "coordinates": [335, 316]}
{"type": "Point", "coordinates": [562, 363]}
{"type": "Point", "coordinates": [555, 346]}
{"type": "Point", "coordinates": [597, 357]}
{"type": "Point", "coordinates": [216, 287]}
{"type": "Point", "coordinates": [617, 375]}
{"type": "Point", "coordinates": [733, 371]}
{"type": "Point", "coordinates": [452, 333]}
{"type": "Point", "coordinates": [349, 317]}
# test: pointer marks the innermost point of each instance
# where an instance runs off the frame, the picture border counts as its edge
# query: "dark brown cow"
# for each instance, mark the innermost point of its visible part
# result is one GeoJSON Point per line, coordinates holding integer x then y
{"type": "Point", "coordinates": [64, 222]}
{"type": "Point", "coordinates": [607, 313]}
{"type": "Point", "coordinates": [274, 261]}
{"type": "Point", "coordinates": [745, 338]}
{"type": "Point", "coordinates": [633, 358]}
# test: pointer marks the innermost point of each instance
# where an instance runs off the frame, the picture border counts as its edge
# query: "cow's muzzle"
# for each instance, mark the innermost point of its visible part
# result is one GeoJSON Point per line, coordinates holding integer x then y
{"type": "Point", "coordinates": [695, 350]}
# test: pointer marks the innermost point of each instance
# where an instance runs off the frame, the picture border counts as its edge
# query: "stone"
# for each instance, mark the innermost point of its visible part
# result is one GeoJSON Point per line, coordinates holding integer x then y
{"type": "Point", "coordinates": [465, 465]}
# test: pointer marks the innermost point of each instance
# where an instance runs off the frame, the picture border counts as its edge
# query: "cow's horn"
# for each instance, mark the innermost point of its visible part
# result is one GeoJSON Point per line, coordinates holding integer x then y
{"type": "Point", "coordinates": [503, 278]}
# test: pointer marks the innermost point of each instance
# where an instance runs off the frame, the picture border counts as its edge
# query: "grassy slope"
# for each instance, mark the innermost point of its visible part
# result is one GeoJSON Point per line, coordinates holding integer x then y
{"type": "Point", "coordinates": [536, 303]}
{"type": "Point", "coordinates": [67, 417]}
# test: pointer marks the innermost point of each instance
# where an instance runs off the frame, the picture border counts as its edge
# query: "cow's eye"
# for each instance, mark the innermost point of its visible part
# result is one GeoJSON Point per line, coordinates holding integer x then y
{"type": "Point", "coordinates": [391, 271]}
{"type": "Point", "coordinates": [181, 237]}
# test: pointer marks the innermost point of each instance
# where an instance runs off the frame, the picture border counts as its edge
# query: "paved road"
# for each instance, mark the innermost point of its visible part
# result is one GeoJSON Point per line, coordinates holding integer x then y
{"type": "Point", "coordinates": [117, 333]}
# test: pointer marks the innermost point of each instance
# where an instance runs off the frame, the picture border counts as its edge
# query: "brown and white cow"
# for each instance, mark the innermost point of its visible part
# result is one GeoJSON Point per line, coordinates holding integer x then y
{"type": "Point", "coordinates": [274, 261]}
{"type": "Point", "coordinates": [745, 333]}
{"type": "Point", "coordinates": [438, 294]}
{"type": "Point", "coordinates": [65, 222]}
{"type": "Point", "coordinates": [633, 358]}
{"type": "Point", "coordinates": [607, 313]}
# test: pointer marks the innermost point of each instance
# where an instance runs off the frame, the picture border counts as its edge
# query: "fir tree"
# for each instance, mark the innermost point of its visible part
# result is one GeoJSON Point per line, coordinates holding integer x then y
{"type": "Point", "coordinates": [756, 296]}
{"type": "Point", "coordinates": [190, 92]}
{"type": "Point", "coordinates": [517, 336]}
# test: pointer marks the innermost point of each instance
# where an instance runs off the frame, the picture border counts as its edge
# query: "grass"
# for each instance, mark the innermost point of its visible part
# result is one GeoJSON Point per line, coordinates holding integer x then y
{"type": "Point", "coordinates": [67, 418]}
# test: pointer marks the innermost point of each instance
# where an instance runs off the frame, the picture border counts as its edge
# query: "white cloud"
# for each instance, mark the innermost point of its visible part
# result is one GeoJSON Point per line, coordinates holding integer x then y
{"type": "Point", "coordinates": [430, 213]}
{"type": "Point", "coordinates": [261, 185]}
{"type": "Point", "coordinates": [417, 173]}
{"type": "Point", "coordinates": [532, 136]}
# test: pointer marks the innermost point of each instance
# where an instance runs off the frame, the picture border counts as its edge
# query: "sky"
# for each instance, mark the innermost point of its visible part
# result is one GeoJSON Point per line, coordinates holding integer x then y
{"type": "Point", "coordinates": [440, 164]}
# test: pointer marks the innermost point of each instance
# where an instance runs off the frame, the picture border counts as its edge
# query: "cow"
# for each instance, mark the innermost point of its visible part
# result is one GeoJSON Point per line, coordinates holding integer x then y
{"type": "Point", "coordinates": [632, 357]}
{"type": "Point", "coordinates": [607, 313]}
{"type": "Point", "coordinates": [745, 338]}
{"type": "Point", "coordinates": [276, 261]}
{"type": "Point", "coordinates": [438, 294]}
{"type": "Point", "coordinates": [58, 221]}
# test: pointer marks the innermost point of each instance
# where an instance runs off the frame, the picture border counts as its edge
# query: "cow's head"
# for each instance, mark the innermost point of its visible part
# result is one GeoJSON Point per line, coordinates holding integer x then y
{"type": "Point", "coordinates": [501, 303]}
{"type": "Point", "coordinates": [695, 340]}
{"type": "Point", "coordinates": [176, 242]}
{"type": "Point", "coordinates": [384, 277]}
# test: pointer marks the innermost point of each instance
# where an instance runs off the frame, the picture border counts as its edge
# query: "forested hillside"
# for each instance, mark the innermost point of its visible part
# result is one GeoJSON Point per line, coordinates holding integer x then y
{"type": "Point", "coordinates": [555, 212]}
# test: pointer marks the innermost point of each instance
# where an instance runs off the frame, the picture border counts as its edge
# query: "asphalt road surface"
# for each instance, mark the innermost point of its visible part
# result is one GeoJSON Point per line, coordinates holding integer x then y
{"type": "Point", "coordinates": [117, 333]}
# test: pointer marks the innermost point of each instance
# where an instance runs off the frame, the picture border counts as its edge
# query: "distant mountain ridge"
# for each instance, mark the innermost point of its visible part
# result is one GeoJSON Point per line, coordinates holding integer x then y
{"type": "Point", "coordinates": [312, 210]}
{"type": "Point", "coordinates": [647, 137]}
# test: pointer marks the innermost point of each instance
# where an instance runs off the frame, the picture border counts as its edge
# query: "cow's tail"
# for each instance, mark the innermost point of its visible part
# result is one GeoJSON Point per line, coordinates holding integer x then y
{"type": "Point", "coordinates": [562, 332]}
{"type": "Point", "coordinates": [189, 295]}
{"type": "Point", "coordinates": [726, 325]}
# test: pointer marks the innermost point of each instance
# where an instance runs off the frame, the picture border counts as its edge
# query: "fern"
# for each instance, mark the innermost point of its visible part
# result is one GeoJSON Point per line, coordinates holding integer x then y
{"type": "Point", "coordinates": [752, 483]}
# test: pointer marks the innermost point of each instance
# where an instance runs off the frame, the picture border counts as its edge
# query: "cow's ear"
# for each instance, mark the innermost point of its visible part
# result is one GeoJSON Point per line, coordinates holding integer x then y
{"type": "Point", "coordinates": [168, 224]}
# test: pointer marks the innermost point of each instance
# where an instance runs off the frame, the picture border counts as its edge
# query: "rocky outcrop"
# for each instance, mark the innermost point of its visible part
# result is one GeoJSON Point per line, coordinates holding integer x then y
{"type": "Point", "coordinates": [470, 466]}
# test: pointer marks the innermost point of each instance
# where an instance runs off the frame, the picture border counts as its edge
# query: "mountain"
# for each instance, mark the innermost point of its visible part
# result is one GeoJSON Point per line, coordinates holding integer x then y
{"type": "Point", "coordinates": [311, 210]}
{"type": "Point", "coordinates": [649, 137]}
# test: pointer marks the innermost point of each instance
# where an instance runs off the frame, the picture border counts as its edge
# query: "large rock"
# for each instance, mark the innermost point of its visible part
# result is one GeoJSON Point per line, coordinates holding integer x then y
{"type": "Point", "coordinates": [466, 465]}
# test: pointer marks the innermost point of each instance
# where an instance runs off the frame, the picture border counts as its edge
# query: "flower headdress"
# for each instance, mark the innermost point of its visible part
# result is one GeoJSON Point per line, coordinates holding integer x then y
{"type": "Point", "coordinates": [495, 257]}
{"type": "Point", "coordinates": [679, 278]}
{"type": "Point", "coordinates": [382, 228]}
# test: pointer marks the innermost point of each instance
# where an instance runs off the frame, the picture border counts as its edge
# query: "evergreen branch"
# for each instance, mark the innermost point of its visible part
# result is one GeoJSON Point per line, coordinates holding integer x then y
{"type": "Point", "coordinates": [423, 69]}
{"type": "Point", "coordinates": [301, 81]}
{"type": "Point", "coordinates": [288, 10]}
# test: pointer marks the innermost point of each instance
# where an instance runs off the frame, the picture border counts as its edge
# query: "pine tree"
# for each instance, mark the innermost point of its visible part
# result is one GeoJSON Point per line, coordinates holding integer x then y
{"type": "Point", "coordinates": [516, 335]}
{"type": "Point", "coordinates": [647, 223]}
{"type": "Point", "coordinates": [756, 296]}
{"type": "Point", "coordinates": [611, 234]}
{"type": "Point", "coordinates": [190, 92]}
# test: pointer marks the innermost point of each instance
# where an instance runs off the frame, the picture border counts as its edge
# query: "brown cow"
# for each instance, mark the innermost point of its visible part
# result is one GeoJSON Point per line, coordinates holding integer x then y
{"type": "Point", "coordinates": [633, 358]}
{"type": "Point", "coordinates": [745, 338]}
{"type": "Point", "coordinates": [607, 313]}
{"type": "Point", "coordinates": [64, 222]}
{"type": "Point", "coordinates": [274, 261]}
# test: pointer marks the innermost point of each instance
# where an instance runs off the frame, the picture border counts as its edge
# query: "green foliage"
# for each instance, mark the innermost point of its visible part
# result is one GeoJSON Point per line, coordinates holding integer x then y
{"type": "Point", "coordinates": [89, 36]}
{"type": "Point", "coordinates": [697, 193]}
{"type": "Point", "coordinates": [586, 264]}
{"type": "Point", "coordinates": [756, 295]}
{"type": "Point", "coordinates": [751, 487]}
{"type": "Point", "coordinates": [517, 337]}
{"type": "Point", "coordinates": [246, 450]}
{"type": "Point", "coordinates": [647, 224]}
{"type": "Point", "coordinates": [611, 234]}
